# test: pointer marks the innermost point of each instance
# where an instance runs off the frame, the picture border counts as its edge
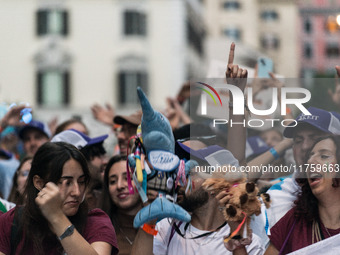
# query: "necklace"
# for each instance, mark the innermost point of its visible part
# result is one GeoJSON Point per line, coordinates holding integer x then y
{"type": "Point", "coordinates": [205, 238]}
{"type": "Point", "coordinates": [125, 236]}
{"type": "Point", "coordinates": [198, 236]}
{"type": "Point", "coordinates": [316, 233]}
{"type": "Point", "coordinates": [327, 231]}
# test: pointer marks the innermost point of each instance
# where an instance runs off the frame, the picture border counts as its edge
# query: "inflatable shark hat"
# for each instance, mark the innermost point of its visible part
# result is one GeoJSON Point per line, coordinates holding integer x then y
{"type": "Point", "coordinates": [156, 129]}
{"type": "Point", "coordinates": [158, 143]}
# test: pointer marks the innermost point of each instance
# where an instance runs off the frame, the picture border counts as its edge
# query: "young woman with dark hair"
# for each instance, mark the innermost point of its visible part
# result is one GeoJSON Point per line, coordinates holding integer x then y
{"type": "Point", "coordinates": [19, 181]}
{"type": "Point", "coordinates": [316, 215]}
{"type": "Point", "coordinates": [55, 218]}
{"type": "Point", "coordinates": [119, 204]}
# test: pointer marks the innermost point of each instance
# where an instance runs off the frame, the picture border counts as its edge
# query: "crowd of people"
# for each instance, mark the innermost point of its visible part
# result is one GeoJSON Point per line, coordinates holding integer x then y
{"type": "Point", "coordinates": [61, 193]}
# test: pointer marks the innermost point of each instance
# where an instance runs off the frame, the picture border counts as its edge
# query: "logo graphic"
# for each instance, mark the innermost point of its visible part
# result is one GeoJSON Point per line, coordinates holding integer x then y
{"type": "Point", "coordinates": [240, 100]}
{"type": "Point", "coordinates": [203, 96]}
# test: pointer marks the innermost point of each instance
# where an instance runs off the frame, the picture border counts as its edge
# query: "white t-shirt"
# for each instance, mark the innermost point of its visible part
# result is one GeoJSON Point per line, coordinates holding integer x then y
{"type": "Point", "coordinates": [210, 244]}
{"type": "Point", "coordinates": [282, 196]}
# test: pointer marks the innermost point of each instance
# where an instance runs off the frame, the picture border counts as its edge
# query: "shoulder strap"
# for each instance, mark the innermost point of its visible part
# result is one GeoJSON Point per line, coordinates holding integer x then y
{"type": "Point", "coordinates": [173, 230]}
{"type": "Point", "coordinates": [285, 242]}
{"type": "Point", "coordinates": [15, 229]}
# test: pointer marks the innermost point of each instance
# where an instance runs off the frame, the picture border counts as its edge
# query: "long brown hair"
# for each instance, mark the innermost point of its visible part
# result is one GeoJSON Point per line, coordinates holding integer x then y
{"type": "Point", "coordinates": [48, 164]}
{"type": "Point", "coordinates": [15, 196]}
{"type": "Point", "coordinates": [106, 203]}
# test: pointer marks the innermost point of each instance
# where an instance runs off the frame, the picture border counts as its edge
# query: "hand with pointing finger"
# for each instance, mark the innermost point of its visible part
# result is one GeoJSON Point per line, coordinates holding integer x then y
{"type": "Point", "coordinates": [235, 75]}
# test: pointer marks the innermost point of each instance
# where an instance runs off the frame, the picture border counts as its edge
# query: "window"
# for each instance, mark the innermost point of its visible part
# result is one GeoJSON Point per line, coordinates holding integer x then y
{"type": "Point", "coordinates": [233, 33]}
{"type": "Point", "coordinates": [332, 50]}
{"type": "Point", "coordinates": [53, 88]}
{"type": "Point", "coordinates": [128, 82]}
{"type": "Point", "coordinates": [270, 41]}
{"type": "Point", "coordinates": [269, 15]}
{"type": "Point", "coordinates": [308, 28]}
{"type": "Point", "coordinates": [52, 22]}
{"type": "Point", "coordinates": [308, 51]}
{"type": "Point", "coordinates": [134, 23]}
{"type": "Point", "coordinates": [231, 5]}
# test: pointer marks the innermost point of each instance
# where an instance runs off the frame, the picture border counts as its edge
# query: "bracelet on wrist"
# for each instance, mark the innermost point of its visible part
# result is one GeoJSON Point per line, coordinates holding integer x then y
{"type": "Point", "coordinates": [274, 153]}
{"type": "Point", "coordinates": [68, 231]}
{"type": "Point", "coordinates": [150, 229]}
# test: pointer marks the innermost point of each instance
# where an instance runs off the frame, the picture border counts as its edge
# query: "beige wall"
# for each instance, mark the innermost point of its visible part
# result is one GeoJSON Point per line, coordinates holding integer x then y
{"type": "Point", "coordinates": [95, 44]}
{"type": "Point", "coordinates": [285, 58]}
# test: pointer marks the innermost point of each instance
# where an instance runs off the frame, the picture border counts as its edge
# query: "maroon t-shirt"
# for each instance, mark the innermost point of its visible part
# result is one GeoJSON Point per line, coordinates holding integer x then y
{"type": "Point", "coordinates": [98, 229]}
{"type": "Point", "coordinates": [301, 235]}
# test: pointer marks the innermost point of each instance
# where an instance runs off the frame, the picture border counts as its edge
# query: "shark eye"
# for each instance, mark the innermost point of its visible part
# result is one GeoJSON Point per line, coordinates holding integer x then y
{"type": "Point", "coordinates": [161, 117]}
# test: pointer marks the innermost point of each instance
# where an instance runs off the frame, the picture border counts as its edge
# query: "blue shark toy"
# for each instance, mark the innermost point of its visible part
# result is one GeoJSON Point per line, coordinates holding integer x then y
{"type": "Point", "coordinates": [156, 142]}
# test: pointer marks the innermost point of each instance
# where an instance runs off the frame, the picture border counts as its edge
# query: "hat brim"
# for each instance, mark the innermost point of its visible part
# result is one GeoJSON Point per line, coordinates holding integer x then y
{"type": "Point", "coordinates": [288, 132]}
{"type": "Point", "coordinates": [183, 151]}
{"type": "Point", "coordinates": [96, 140]}
{"type": "Point", "coordinates": [121, 120]}
{"type": "Point", "coordinates": [24, 129]}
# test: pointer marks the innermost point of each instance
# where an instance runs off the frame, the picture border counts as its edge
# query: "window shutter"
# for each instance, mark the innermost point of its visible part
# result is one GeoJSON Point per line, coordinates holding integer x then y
{"type": "Point", "coordinates": [142, 81]}
{"type": "Point", "coordinates": [121, 82]}
{"type": "Point", "coordinates": [142, 24]}
{"type": "Point", "coordinates": [127, 23]}
{"type": "Point", "coordinates": [42, 22]}
{"type": "Point", "coordinates": [65, 29]}
{"type": "Point", "coordinates": [66, 78]}
{"type": "Point", "coordinates": [39, 88]}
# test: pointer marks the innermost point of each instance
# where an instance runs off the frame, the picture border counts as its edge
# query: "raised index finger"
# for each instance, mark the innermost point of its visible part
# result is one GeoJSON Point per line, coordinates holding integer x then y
{"type": "Point", "coordinates": [231, 54]}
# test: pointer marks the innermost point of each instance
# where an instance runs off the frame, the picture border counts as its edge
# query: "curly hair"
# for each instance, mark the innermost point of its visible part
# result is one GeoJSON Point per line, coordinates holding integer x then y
{"type": "Point", "coordinates": [306, 203]}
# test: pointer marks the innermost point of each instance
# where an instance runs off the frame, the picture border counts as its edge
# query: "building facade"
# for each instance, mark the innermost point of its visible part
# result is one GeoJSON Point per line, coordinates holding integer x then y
{"type": "Point", "coordinates": [61, 55]}
{"type": "Point", "coordinates": [319, 40]}
{"type": "Point", "coordinates": [260, 28]}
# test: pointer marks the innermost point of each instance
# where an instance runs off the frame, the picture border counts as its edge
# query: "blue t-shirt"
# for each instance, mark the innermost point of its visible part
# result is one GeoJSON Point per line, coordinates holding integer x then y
{"type": "Point", "coordinates": [7, 171]}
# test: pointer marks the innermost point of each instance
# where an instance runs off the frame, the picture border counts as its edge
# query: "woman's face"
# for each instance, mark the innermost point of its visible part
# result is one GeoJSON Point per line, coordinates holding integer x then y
{"type": "Point", "coordinates": [72, 185]}
{"type": "Point", "coordinates": [322, 165]}
{"type": "Point", "coordinates": [118, 188]}
{"type": "Point", "coordinates": [22, 176]}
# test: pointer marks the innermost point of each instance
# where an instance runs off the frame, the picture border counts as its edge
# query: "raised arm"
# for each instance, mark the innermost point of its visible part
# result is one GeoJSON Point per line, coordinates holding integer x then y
{"type": "Point", "coordinates": [236, 133]}
{"type": "Point", "coordinates": [103, 114]}
{"type": "Point", "coordinates": [268, 157]}
{"type": "Point", "coordinates": [13, 117]}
